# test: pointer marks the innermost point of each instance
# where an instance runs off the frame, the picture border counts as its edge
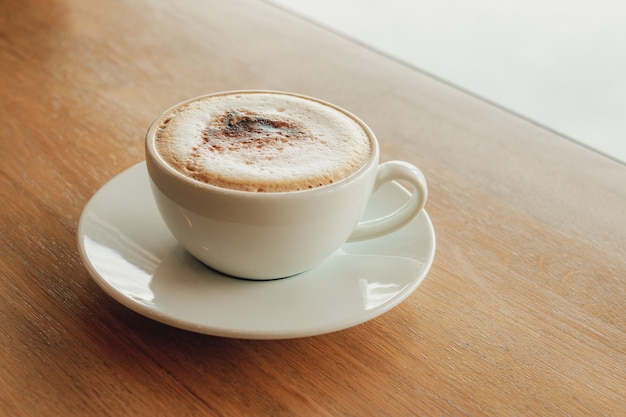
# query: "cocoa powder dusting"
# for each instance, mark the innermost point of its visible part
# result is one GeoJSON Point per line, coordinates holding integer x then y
{"type": "Point", "coordinates": [236, 130]}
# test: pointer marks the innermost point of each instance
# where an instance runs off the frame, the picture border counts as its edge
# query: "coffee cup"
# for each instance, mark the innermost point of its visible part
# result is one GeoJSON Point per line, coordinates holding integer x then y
{"type": "Point", "coordinates": [265, 185]}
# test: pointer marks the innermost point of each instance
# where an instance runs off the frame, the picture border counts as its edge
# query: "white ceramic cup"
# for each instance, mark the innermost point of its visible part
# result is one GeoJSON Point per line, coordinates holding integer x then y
{"type": "Point", "coordinates": [269, 235]}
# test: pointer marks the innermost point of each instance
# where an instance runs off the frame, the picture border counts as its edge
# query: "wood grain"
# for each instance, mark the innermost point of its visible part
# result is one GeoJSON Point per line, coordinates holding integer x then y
{"type": "Point", "coordinates": [522, 314]}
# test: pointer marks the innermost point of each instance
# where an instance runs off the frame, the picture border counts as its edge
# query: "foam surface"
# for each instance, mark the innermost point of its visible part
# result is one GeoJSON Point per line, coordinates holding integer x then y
{"type": "Point", "coordinates": [262, 142]}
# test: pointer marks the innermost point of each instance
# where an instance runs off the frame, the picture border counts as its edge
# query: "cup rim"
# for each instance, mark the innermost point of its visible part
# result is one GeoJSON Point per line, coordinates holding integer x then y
{"type": "Point", "coordinates": [152, 155]}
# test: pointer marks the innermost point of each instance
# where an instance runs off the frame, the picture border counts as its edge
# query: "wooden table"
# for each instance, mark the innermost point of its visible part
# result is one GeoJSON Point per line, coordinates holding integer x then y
{"type": "Point", "coordinates": [522, 313]}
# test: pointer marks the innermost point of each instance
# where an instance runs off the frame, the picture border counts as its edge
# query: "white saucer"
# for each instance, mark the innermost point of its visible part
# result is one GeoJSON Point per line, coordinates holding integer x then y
{"type": "Point", "coordinates": [133, 257]}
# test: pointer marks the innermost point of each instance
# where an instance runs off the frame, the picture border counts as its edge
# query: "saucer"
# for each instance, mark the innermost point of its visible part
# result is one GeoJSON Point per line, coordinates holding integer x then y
{"type": "Point", "coordinates": [133, 257]}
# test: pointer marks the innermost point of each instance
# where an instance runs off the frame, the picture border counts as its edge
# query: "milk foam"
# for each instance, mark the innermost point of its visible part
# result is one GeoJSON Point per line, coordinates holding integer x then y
{"type": "Point", "coordinates": [262, 142]}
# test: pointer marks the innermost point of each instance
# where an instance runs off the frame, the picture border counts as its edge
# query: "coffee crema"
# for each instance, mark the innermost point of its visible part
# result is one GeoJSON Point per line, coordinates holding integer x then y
{"type": "Point", "coordinates": [262, 142]}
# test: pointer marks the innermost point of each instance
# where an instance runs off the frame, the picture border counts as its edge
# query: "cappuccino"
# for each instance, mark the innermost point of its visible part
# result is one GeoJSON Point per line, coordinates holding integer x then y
{"type": "Point", "coordinates": [262, 142]}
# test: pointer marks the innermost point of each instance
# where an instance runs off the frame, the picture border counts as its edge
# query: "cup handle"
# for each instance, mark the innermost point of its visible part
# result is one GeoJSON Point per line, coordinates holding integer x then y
{"type": "Point", "coordinates": [390, 171]}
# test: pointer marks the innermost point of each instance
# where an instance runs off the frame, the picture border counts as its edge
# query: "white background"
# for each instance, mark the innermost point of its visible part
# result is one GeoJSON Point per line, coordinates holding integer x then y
{"type": "Point", "coordinates": [559, 63]}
